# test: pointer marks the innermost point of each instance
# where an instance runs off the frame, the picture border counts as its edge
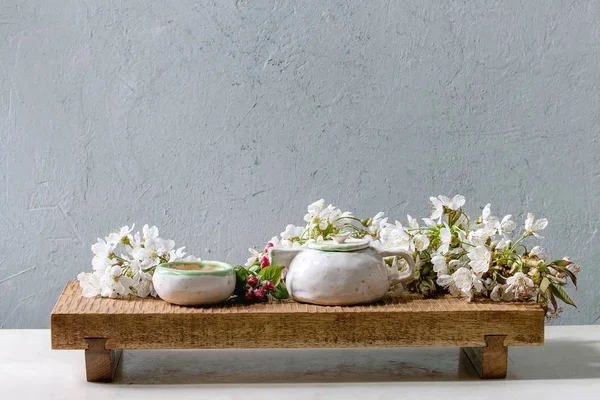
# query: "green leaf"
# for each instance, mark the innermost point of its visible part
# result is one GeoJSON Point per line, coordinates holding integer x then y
{"type": "Point", "coordinates": [254, 268]}
{"type": "Point", "coordinates": [544, 285]}
{"type": "Point", "coordinates": [241, 276]}
{"type": "Point", "coordinates": [566, 271]}
{"type": "Point", "coordinates": [280, 292]}
{"type": "Point", "coordinates": [561, 294]}
{"type": "Point", "coordinates": [272, 273]}
{"type": "Point", "coordinates": [552, 300]}
{"type": "Point", "coordinates": [561, 263]}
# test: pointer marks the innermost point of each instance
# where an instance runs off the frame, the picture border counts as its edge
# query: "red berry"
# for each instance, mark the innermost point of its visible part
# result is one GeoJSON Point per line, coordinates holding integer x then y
{"type": "Point", "coordinates": [249, 294]}
{"type": "Point", "coordinates": [264, 262]}
{"type": "Point", "coordinates": [252, 281]}
{"type": "Point", "coordinates": [259, 293]}
{"type": "Point", "coordinates": [269, 285]}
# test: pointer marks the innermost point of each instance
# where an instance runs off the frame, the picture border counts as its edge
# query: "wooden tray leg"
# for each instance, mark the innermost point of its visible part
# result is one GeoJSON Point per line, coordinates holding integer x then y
{"type": "Point", "coordinates": [100, 363]}
{"type": "Point", "coordinates": [489, 361]}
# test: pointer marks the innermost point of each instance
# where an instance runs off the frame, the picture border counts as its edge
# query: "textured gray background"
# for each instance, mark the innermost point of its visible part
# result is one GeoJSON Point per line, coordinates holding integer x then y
{"type": "Point", "coordinates": [220, 121]}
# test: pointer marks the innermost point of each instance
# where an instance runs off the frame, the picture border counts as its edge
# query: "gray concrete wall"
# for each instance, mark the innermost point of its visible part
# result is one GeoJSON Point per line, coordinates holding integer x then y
{"type": "Point", "coordinates": [220, 121]}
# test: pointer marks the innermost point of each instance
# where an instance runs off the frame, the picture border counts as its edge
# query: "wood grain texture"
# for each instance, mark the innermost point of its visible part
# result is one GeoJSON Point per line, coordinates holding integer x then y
{"type": "Point", "coordinates": [100, 363]}
{"type": "Point", "coordinates": [489, 361]}
{"type": "Point", "coordinates": [395, 322]}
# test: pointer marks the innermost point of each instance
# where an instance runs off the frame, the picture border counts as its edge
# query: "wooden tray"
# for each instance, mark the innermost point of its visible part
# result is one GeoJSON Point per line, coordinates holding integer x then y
{"type": "Point", "coordinates": [102, 327]}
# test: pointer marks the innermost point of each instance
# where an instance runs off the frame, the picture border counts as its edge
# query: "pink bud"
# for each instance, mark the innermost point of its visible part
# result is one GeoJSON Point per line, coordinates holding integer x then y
{"type": "Point", "coordinates": [268, 246]}
{"type": "Point", "coordinates": [249, 294]}
{"type": "Point", "coordinates": [264, 262]}
{"type": "Point", "coordinates": [269, 285]}
{"type": "Point", "coordinates": [259, 292]}
{"type": "Point", "coordinates": [252, 280]}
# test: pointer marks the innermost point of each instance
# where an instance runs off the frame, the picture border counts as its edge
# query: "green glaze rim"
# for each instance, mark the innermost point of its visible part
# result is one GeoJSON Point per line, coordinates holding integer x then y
{"type": "Point", "coordinates": [330, 245]}
{"type": "Point", "coordinates": [164, 269]}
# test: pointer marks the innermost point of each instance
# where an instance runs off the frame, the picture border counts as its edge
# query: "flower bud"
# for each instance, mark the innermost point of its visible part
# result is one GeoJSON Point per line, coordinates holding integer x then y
{"type": "Point", "coordinates": [269, 285]}
{"type": "Point", "coordinates": [259, 292]}
{"type": "Point", "coordinates": [454, 241]}
{"type": "Point", "coordinates": [268, 246]}
{"type": "Point", "coordinates": [264, 262]}
{"type": "Point", "coordinates": [249, 295]}
{"type": "Point", "coordinates": [252, 281]}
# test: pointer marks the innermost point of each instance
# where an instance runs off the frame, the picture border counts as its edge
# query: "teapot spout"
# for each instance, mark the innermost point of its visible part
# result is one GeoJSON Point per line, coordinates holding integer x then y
{"type": "Point", "coordinates": [282, 257]}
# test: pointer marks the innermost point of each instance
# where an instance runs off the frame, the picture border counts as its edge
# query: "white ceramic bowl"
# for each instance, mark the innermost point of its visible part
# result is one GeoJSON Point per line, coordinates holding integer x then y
{"type": "Point", "coordinates": [191, 283]}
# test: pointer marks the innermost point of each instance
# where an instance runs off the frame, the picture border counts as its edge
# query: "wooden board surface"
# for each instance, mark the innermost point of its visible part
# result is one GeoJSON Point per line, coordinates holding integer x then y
{"type": "Point", "coordinates": [394, 322]}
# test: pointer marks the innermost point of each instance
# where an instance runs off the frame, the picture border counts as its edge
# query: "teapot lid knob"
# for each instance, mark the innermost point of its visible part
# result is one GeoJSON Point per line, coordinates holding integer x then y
{"type": "Point", "coordinates": [340, 239]}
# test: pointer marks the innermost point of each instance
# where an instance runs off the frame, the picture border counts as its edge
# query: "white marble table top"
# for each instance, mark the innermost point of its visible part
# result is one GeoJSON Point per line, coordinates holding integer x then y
{"type": "Point", "coordinates": [567, 365]}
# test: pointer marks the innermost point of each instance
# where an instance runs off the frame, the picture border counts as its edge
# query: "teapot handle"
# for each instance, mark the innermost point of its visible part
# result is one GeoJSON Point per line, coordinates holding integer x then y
{"type": "Point", "coordinates": [407, 275]}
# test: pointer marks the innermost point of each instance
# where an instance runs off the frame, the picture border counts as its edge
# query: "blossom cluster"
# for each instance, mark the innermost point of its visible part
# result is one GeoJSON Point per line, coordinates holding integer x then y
{"type": "Point", "coordinates": [483, 257]}
{"type": "Point", "coordinates": [123, 263]}
{"type": "Point", "coordinates": [258, 283]}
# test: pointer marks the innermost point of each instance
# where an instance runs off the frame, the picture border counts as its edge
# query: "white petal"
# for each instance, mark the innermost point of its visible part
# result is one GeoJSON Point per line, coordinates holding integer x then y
{"type": "Point", "coordinates": [444, 200]}
{"type": "Point", "coordinates": [540, 224]}
{"type": "Point", "coordinates": [486, 211]}
{"type": "Point", "coordinates": [458, 201]}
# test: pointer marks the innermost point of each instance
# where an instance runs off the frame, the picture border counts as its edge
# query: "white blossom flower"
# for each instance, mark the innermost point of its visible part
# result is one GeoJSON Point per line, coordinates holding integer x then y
{"type": "Point", "coordinates": [463, 279]}
{"type": "Point", "coordinates": [114, 283]}
{"type": "Point", "coordinates": [506, 227]}
{"type": "Point", "coordinates": [320, 216]}
{"type": "Point", "coordinates": [274, 242]}
{"type": "Point", "coordinates": [143, 284]}
{"type": "Point", "coordinates": [117, 237]}
{"type": "Point", "coordinates": [253, 258]}
{"type": "Point", "coordinates": [442, 201]}
{"type": "Point", "coordinates": [499, 293]}
{"type": "Point", "coordinates": [467, 281]}
{"type": "Point", "coordinates": [445, 238]}
{"type": "Point", "coordinates": [532, 226]}
{"type": "Point", "coordinates": [480, 258]}
{"type": "Point", "coordinates": [338, 218]}
{"type": "Point", "coordinates": [420, 242]}
{"type": "Point", "coordinates": [150, 232]}
{"type": "Point", "coordinates": [177, 255]}
{"type": "Point", "coordinates": [502, 244]}
{"type": "Point", "coordinates": [480, 236]}
{"type": "Point", "coordinates": [462, 222]}
{"type": "Point", "coordinates": [153, 251]}
{"type": "Point", "coordinates": [457, 202]}
{"type": "Point", "coordinates": [376, 224]}
{"type": "Point", "coordinates": [438, 208]}
{"type": "Point", "coordinates": [131, 271]}
{"type": "Point", "coordinates": [491, 224]}
{"type": "Point", "coordinates": [478, 284]}
{"type": "Point", "coordinates": [439, 264]}
{"type": "Point", "coordinates": [412, 223]}
{"type": "Point", "coordinates": [486, 214]}
{"type": "Point", "coordinates": [394, 236]}
{"type": "Point", "coordinates": [447, 281]}
{"type": "Point", "coordinates": [89, 283]}
{"type": "Point", "coordinates": [429, 222]}
{"type": "Point", "coordinates": [536, 251]}
{"type": "Point", "coordinates": [520, 285]}
{"type": "Point", "coordinates": [102, 255]}
{"type": "Point", "coordinates": [292, 231]}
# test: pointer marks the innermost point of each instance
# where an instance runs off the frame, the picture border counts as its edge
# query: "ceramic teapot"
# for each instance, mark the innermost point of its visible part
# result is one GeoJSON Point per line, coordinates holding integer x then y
{"type": "Point", "coordinates": [340, 271]}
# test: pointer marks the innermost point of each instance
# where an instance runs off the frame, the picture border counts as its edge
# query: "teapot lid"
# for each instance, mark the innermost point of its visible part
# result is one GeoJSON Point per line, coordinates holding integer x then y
{"type": "Point", "coordinates": [339, 243]}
